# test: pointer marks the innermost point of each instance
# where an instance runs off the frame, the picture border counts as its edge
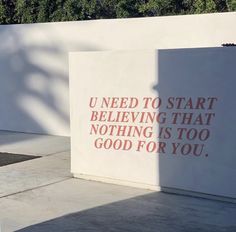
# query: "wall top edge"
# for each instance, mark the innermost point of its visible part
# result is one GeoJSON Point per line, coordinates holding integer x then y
{"type": "Point", "coordinates": [225, 14]}
{"type": "Point", "coordinates": [152, 50]}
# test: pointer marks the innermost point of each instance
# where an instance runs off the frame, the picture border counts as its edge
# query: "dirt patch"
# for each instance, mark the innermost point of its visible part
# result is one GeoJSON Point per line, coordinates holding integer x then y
{"type": "Point", "coordinates": [10, 158]}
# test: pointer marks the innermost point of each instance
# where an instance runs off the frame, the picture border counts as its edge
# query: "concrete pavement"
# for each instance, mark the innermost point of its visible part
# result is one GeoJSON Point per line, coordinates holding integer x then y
{"type": "Point", "coordinates": [40, 195]}
{"type": "Point", "coordinates": [32, 144]}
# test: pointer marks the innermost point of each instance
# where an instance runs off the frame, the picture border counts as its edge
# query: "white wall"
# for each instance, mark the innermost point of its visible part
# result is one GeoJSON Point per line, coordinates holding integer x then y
{"type": "Point", "coordinates": [34, 59]}
{"type": "Point", "coordinates": [189, 146]}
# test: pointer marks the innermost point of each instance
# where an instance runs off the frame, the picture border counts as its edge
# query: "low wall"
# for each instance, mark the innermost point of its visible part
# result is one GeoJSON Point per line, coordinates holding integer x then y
{"type": "Point", "coordinates": [155, 119]}
{"type": "Point", "coordinates": [34, 91]}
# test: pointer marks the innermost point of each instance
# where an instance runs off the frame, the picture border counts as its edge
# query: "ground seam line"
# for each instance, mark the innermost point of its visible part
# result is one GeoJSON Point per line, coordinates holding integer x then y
{"type": "Point", "coordinates": [37, 187]}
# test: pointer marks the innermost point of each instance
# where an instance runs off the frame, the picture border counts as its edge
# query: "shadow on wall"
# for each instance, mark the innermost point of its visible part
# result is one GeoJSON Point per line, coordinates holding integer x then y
{"type": "Point", "coordinates": [34, 83]}
{"type": "Point", "coordinates": [196, 87]}
{"type": "Point", "coordinates": [147, 213]}
{"type": "Point", "coordinates": [27, 96]}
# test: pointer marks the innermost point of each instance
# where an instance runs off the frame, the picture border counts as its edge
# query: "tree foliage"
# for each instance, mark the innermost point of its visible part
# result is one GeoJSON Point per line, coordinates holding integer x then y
{"type": "Point", "coordinates": [231, 4]}
{"type": "Point", "coordinates": [204, 6]}
{"type": "Point", "coordinates": [7, 11]}
{"type": "Point", "coordinates": [32, 11]}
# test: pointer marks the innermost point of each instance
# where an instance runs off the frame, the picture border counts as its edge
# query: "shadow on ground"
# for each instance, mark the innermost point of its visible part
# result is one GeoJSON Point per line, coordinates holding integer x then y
{"type": "Point", "coordinates": [155, 212]}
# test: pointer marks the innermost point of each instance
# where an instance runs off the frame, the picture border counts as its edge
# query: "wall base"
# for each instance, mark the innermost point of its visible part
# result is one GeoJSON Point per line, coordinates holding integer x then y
{"type": "Point", "coordinates": [154, 188]}
{"type": "Point", "coordinates": [117, 182]}
{"type": "Point", "coordinates": [197, 194]}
